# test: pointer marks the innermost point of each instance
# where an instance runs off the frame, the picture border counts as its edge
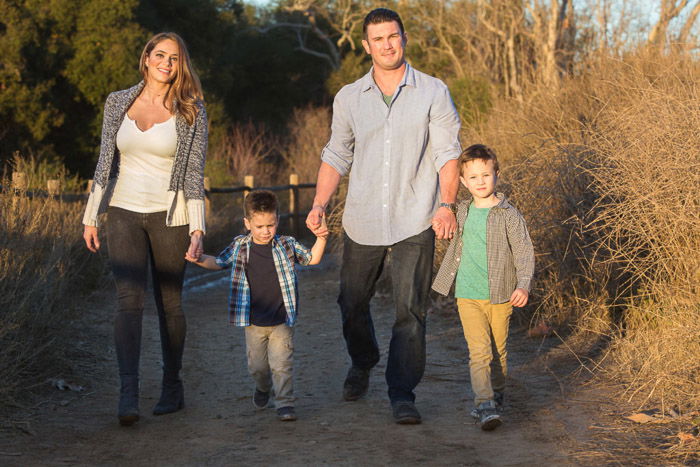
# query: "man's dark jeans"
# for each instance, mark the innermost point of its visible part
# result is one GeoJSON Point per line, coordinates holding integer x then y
{"type": "Point", "coordinates": [411, 271]}
{"type": "Point", "coordinates": [135, 240]}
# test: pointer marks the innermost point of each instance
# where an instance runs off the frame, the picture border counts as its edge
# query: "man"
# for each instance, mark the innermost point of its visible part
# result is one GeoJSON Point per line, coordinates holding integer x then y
{"type": "Point", "coordinates": [395, 132]}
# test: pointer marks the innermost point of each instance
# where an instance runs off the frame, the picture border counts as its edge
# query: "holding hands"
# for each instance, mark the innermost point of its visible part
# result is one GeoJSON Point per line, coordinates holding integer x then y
{"type": "Point", "coordinates": [316, 221]}
{"type": "Point", "coordinates": [444, 223]}
{"type": "Point", "coordinates": [196, 248]}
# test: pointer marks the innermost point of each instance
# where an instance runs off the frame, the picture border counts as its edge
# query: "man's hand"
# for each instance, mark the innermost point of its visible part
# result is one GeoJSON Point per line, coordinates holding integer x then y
{"type": "Point", "coordinates": [315, 221]}
{"type": "Point", "coordinates": [196, 249]}
{"type": "Point", "coordinates": [444, 223]}
{"type": "Point", "coordinates": [519, 297]}
{"type": "Point", "coordinates": [91, 240]}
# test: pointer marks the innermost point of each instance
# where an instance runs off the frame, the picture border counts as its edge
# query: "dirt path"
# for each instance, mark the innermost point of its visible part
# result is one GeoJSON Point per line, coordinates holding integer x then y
{"type": "Point", "coordinates": [220, 427]}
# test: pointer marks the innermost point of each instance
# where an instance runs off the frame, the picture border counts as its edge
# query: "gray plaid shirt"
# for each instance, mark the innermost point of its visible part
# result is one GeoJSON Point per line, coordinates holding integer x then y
{"type": "Point", "coordinates": [509, 252]}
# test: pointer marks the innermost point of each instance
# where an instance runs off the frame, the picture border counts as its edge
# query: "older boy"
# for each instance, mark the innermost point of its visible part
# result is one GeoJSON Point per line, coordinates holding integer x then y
{"type": "Point", "coordinates": [264, 296]}
{"type": "Point", "coordinates": [492, 261]}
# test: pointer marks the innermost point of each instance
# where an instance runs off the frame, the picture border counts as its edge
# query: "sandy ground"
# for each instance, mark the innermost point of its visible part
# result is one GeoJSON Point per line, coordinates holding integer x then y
{"type": "Point", "coordinates": [219, 425]}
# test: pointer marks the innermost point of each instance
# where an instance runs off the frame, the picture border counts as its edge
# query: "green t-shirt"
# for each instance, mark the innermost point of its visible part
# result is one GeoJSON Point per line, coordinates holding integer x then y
{"type": "Point", "coordinates": [472, 275]}
{"type": "Point", "coordinates": [387, 99]}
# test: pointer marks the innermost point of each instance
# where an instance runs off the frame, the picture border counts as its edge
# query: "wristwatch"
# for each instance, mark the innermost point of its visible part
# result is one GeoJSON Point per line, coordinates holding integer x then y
{"type": "Point", "coordinates": [451, 206]}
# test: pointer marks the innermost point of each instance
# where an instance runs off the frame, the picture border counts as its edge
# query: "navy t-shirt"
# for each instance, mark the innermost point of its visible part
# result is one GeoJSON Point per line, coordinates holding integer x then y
{"type": "Point", "coordinates": [266, 304]}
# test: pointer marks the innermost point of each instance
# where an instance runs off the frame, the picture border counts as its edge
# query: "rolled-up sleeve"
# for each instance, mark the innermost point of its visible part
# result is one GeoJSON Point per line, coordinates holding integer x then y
{"type": "Point", "coordinates": [338, 153]}
{"type": "Point", "coordinates": [444, 129]}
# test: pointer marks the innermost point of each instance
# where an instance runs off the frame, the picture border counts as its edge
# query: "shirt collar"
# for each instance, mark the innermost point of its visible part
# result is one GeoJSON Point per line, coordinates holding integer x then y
{"type": "Point", "coordinates": [409, 79]}
{"type": "Point", "coordinates": [249, 239]}
{"type": "Point", "coordinates": [502, 201]}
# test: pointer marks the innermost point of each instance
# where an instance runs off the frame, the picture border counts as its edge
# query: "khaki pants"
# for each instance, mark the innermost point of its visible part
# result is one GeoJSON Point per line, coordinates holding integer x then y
{"type": "Point", "coordinates": [486, 330]}
{"type": "Point", "coordinates": [270, 351]}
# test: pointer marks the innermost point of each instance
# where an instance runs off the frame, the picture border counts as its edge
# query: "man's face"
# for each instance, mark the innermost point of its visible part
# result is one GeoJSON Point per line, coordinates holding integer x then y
{"type": "Point", "coordinates": [385, 44]}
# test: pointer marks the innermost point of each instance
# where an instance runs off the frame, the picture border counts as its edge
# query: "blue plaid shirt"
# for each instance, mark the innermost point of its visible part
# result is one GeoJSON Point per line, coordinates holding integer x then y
{"type": "Point", "coordinates": [286, 251]}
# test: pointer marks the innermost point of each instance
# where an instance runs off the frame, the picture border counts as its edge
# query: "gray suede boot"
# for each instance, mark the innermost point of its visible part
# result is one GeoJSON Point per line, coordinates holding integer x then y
{"type": "Point", "coordinates": [128, 411]}
{"type": "Point", "coordinates": [172, 396]}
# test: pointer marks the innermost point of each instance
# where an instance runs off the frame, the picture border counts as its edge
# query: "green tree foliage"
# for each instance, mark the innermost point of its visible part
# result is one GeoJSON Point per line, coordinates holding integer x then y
{"type": "Point", "coordinates": [60, 59]}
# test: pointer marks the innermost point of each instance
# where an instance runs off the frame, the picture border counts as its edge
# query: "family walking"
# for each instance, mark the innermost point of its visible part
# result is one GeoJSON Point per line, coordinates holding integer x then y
{"type": "Point", "coordinates": [395, 135]}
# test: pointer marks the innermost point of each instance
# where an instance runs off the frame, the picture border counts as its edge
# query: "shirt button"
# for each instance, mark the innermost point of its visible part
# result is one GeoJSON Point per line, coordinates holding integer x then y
{"type": "Point", "coordinates": [388, 141]}
{"type": "Point", "coordinates": [458, 259]}
{"type": "Point", "coordinates": [386, 163]}
{"type": "Point", "coordinates": [384, 205]}
{"type": "Point", "coordinates": [386, 184]}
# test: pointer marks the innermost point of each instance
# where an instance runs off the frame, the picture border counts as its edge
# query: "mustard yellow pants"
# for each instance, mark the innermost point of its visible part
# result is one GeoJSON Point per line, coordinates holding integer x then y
{"type": "Point", "coordinates": [486, 330]}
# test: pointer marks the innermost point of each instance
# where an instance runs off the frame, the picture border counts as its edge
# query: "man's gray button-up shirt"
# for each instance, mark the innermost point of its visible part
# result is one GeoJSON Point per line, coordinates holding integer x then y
{"type": "Point", "coordinates": [393, 154]}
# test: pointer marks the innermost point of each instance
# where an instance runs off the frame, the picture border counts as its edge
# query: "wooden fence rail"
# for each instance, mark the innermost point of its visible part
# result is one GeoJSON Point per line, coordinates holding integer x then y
{"type": "Point", "coordinates": [249, 184]}
{"type": "Point", "coordinates": [53, 191]}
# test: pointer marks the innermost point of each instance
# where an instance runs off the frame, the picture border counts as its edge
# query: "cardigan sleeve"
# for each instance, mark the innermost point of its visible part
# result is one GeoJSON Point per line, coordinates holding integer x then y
{"type": "Point", "coordinates": [194, 175]}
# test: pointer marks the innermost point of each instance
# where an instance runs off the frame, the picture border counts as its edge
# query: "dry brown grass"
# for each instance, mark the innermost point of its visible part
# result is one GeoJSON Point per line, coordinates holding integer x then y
{"type": "Point", "coordinates": [43, 264]}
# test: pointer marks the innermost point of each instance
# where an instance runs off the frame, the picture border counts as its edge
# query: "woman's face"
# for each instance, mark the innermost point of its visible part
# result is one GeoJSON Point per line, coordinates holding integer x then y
{"type": "Point", "coordinates": [161, 63]}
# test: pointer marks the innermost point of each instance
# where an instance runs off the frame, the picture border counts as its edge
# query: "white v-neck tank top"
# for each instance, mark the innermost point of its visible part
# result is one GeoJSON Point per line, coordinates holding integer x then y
{"type": "Point", "coordinates": [145, 164]}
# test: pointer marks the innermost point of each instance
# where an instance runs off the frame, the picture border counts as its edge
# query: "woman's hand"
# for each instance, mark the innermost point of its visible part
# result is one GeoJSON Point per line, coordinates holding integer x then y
{"type": "Point", "coordinates": [91, 240]}
{"type": "Point", "coordinates": [196, 249]}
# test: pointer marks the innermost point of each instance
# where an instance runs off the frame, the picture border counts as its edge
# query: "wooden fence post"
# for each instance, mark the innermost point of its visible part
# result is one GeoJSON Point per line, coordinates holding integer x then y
{"type": "Point", "coordinates": [53, 188]}
{"type": "Point", "coordinates": [294, 203]}
{"type": "Point", "coordinates": [207, 197]}
{"type": "Point", "coordinates": [19, 185]}
{"type": "Point", "coordinates": [248, 181]}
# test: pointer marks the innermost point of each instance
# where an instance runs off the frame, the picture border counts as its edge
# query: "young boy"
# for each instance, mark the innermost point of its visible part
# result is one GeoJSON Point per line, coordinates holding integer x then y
{"type": "Point", "coordinates": [492, 261]}
{"type": "Point", "coordinates": [264, 296]}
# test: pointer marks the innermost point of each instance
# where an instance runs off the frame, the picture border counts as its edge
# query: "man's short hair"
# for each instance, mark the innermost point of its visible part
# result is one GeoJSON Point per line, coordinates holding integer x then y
{"type": "Point", "coordinates": [381, 15]}
{"type": "Point", "coordinates": [260, 201]}
{"type": "Point", "coordinates": [478, 151]}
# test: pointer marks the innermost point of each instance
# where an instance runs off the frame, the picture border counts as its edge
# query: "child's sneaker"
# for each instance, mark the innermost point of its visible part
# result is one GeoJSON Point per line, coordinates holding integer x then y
{"type": "Point", "coordinates": [286, 414]}
{"type": "Point", "coordinates": [475, 413]}
{"type": "Point", "coordinates": [261, 399]}
{"type": "Point", "coordinates": [497, 399]}
{"type": "Point", "coordinates": [489, 419]}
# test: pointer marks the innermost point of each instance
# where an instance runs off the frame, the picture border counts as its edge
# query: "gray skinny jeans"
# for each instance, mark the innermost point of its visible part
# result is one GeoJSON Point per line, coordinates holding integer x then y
{"type": "Point", "coordinates": [135, 241]}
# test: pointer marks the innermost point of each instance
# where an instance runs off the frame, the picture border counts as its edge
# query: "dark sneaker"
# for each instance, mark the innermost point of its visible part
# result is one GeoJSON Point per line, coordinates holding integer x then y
{"type": "Point", "coordinates": [261, 399]}
{"type": "Point", "coordinates": [356, 384]}
{"type": "Point", "coordinates": [286, 414]}
{"type": "Point", "coordinates": [405, 413]}
{"type": "Point", "coordinates": [489, 419]}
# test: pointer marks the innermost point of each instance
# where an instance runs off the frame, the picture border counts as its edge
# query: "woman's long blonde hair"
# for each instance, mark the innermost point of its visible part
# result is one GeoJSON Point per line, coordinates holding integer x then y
{"type": "Point", "coordinates": [185, 90]}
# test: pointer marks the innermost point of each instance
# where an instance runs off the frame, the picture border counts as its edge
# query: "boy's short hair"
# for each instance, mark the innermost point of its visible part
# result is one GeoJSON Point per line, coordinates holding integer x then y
{"type": "Point", "coordinates": [260, 201]}
{"type": "Point", "coordinates": [480, 152]}
{"type": "Point", "coordinates": [381, 15]}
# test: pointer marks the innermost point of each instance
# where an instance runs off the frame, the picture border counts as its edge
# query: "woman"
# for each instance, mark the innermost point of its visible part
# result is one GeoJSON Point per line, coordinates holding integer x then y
{"type": "Point", "coordinates": [150, 181]}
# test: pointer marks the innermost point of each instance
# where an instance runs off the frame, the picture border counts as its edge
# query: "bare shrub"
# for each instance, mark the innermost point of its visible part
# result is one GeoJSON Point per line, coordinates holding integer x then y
{"type": "Point", "coordinates": [245, 150]}
{"type": "Point", "coordinates": [309, 131]}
